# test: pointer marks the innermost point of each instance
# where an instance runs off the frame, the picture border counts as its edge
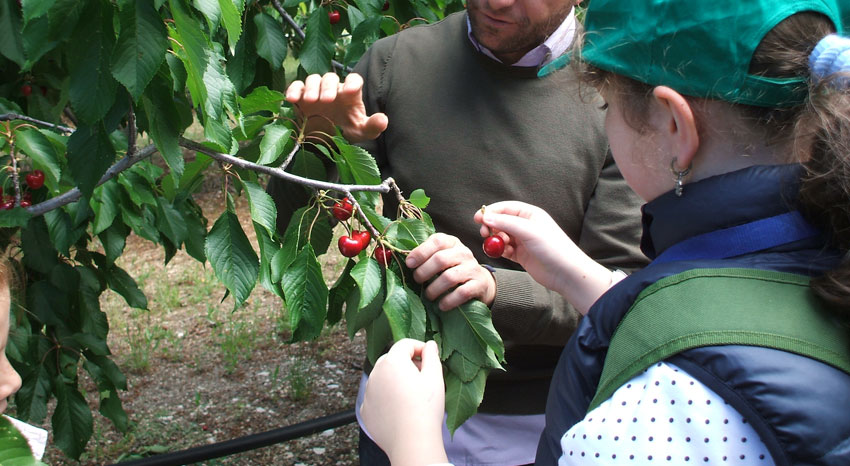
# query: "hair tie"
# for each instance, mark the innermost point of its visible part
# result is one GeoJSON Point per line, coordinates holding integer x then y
{"type": "Point", "coordinates": [831, 55]}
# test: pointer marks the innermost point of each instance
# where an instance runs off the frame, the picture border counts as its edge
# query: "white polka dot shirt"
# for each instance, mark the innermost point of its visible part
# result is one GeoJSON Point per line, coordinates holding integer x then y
{"type": "Point", "coordinates": [664, 416]}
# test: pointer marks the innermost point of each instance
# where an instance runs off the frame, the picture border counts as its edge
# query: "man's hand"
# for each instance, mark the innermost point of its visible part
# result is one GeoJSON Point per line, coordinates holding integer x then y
{"type": "Point", "coordinates": [457, 276]}
{"type": "Point", "coordinates": [324, 102]}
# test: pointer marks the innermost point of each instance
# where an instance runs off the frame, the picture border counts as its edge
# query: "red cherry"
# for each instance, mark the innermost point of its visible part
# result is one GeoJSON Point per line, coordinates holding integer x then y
{"type": "Point", "coordinates": [27, 196]}
{"type": "Point", "coordinates": [494, 246]}
{"type": "Point", "coordinates": [8, 204]}
{"type": "Point", "coordinates": [364, 237]}
{"type": "Point", "coordinates": [383, 255]}
{"type": "Point", "coordinates": [26, 90]}
{"type": "Point", "coordinates": [333, 16]}
{"type": "Point", "coordinates": [386, 6]}
{"type": "Point", "coordinates": [35, 179]}
{"type": "Point", "coordinates": [343, 209]}
{"type": "Point", "coordinates": [349, 247]}
{"type": "Point", "coordinates": [25, 203]}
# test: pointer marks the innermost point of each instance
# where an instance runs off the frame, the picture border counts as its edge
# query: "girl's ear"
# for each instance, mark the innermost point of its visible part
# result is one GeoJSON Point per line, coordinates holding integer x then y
{"type": "Point", "coordinates": [678, 124]}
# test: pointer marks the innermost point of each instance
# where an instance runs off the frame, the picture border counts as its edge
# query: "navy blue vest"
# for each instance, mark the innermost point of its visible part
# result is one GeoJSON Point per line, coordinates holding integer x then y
{"type": "Point", "coordinates": [799, 407]}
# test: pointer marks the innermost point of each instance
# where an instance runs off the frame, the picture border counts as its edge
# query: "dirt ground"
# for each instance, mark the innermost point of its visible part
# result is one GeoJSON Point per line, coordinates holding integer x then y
{"type": "Point", "coordinates": [200, 372]}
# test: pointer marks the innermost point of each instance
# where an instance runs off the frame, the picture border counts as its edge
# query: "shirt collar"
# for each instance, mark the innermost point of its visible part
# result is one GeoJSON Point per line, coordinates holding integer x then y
{"type": "Point", "coordinates": [554, 46]}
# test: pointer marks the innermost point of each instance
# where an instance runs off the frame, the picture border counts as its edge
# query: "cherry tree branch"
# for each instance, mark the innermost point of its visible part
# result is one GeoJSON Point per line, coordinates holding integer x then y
{"type": "Point", "coordinates": [15, 116]}
{"type": "Point", "coordinates": [384, 187]}
{"type": "Point", "coordinates": [300, 32]}
{"type": "Point", "coordinates": [74, 194]}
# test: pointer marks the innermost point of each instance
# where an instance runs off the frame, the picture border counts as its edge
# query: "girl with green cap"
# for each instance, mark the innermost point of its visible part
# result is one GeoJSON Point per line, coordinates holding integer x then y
{"type": "Point", "coordinates": [733, 122]}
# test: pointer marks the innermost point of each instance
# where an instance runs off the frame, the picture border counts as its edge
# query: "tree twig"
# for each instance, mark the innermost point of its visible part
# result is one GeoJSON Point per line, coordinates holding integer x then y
{"type": "Point", "coordinates": [74, 194]}
{"type": "Point", "coordinates": [15, 116]}
{"type": "Point", "coordinates": [384, 187]}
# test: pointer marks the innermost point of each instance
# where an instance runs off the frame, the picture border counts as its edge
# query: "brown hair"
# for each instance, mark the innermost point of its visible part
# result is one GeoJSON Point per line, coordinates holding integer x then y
{"type": "Point", "coordinates": [820, 129]}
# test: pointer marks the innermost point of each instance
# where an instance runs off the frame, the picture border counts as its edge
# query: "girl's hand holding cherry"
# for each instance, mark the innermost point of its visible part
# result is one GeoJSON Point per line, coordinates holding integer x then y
{"type": "Point", "coordinates": [532, 238]}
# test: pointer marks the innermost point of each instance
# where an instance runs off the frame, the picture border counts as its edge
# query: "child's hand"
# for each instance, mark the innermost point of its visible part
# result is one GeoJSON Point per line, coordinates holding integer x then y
{"type": "Point", "coordinates": [535, 241]}
{"type": "Point", "coordinates": [404, 403]}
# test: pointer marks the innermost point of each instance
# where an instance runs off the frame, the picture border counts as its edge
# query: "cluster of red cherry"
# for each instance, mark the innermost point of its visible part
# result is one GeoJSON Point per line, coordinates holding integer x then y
{"type": "Point", "coordinates": [350, 245]}
{"type": "Point", "coordinates": [34, 181]}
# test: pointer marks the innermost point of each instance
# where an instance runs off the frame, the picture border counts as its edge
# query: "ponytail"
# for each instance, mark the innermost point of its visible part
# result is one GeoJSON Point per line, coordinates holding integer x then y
{"type": "Point", "coordinates": [825, 191]}
{"type": "Point", "coordinates": [804, 45]}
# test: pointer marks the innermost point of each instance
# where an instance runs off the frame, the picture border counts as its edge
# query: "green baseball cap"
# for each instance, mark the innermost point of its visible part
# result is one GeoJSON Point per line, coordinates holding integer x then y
{"type": "Point", "coordinates": [699, 48]}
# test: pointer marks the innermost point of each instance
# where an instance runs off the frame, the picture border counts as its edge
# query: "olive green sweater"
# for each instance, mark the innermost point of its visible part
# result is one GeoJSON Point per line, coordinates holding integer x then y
{"type": "Point", "coordinates": [471, 131]}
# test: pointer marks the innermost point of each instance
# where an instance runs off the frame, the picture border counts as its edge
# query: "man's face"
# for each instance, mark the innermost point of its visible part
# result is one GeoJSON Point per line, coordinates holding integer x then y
{"type": "Point", "coordinates": [510, 28]}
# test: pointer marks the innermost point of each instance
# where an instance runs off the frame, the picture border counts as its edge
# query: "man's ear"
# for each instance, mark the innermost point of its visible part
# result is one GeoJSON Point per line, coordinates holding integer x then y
{"type": "Point", "coordinates": [678, 124]}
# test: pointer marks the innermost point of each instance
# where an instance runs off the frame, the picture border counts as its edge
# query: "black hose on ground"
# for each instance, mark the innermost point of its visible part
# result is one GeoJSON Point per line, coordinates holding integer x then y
{"type": "Point", "coordinates": [246, 443]}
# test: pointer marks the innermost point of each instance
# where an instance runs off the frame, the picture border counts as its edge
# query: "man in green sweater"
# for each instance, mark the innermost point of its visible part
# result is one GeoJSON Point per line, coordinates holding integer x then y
{"type": "Point", "coordinates": [456, 108]}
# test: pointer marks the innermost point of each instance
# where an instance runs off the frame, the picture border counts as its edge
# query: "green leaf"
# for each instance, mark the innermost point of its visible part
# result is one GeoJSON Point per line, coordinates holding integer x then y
{"type": "Point", "coordinates": [196, 226]}
{"type": "Point", "coordinates": [94, 320]}
{"type": "Point", "coordinates": [35, 8]}
{"type": "Point", "coordinates": [306, 295]}
{"type": "Point", "coordinates": [92, 87]}
{"type": "Point", "coordinates": [462, 367]}
{"type": "Point", "coordinates": [463, 398]}
{"type": "Point", "coordinates": [72, 420]}
{"type": "Point", "coordinates": [31, 399]}
{"type": "Point", "coordinates": [305, 222]}
{"type": "Point", "coordinates": [477, 316]}
{"type": "Point", "coordinates": [274, 141]}
{"type": "Point", "coordinates": [365, 34]}
{"type": "Point", "coordinates": [62, 232]}
{"type": "Point", "coordinates": [191, 45]}
{"type": "Point", "coordinates": [338, 293]}
{"type": "Point", "coordinates": [263, 209]}
{"type": "Point", "coordinates": [318, 48]}
{"type": "Point", "coordinates": [360, 164]}
{"type": "Point", "coordinates": [137, 187]}
{"type": "Point", "coordinates": [14, 218]}
{"type": "Point", "coordinates": [141, 47]}
{"type": "Point", "coordinates": [114, 239]}
{"type": "Point", "coordinates": [221, 94]}
{"type": "Point", "coordinates": [39, 253]}
{"type": "Point", "coordinates": [36, 41]}
{"type": "Point", "coordinates": [357, 317]}
{"type": "Point", "coordinates": [43, 153]}
{"type": "Point", "coordinates": [232, 258]}
{"type": "Point", "coordinates": [11, 43]}
{"type": "Point", "coordinates": [122, 283]}
{"type": "Point", "coordinates": [241, 66]}
{"type": "Point", "coordinates": [164, 126]}
{"type": "Point", "coordinates": [90, 154]}
{"type": "Point", "coordinates": [261, 99]}
{"type": "Point", "coordinates": [419, 199]}
{"type": "Point", "coordinates": [268, 248]}
{"type": "Point", "coordinates": [404, 310]}
{"type": "Point", "coordinates": [211, 11]}
{"type": "Point", "coordinates": [232, 19]}
{"type": "Point", "coordinates": [170, 222]}
{"type": "Point", "coordinates": [408, 233]}
{"type": "Point", "coordinates": [378, 338]}
{"type": "Point", "coordinates": [270, 41]}
{"type": "Point", "coordinates": [63, 17]}
{"type": "Point", "coordinates": [105, 205]}
{"type": "Point", "coordinates": [14, 449]}
{"type": "Point", "coordinates": [367, 275]}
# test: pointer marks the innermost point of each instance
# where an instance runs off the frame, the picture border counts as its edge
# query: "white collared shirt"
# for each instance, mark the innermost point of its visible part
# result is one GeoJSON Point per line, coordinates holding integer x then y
{"type": "Point", "coordinates": [553, 47]}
